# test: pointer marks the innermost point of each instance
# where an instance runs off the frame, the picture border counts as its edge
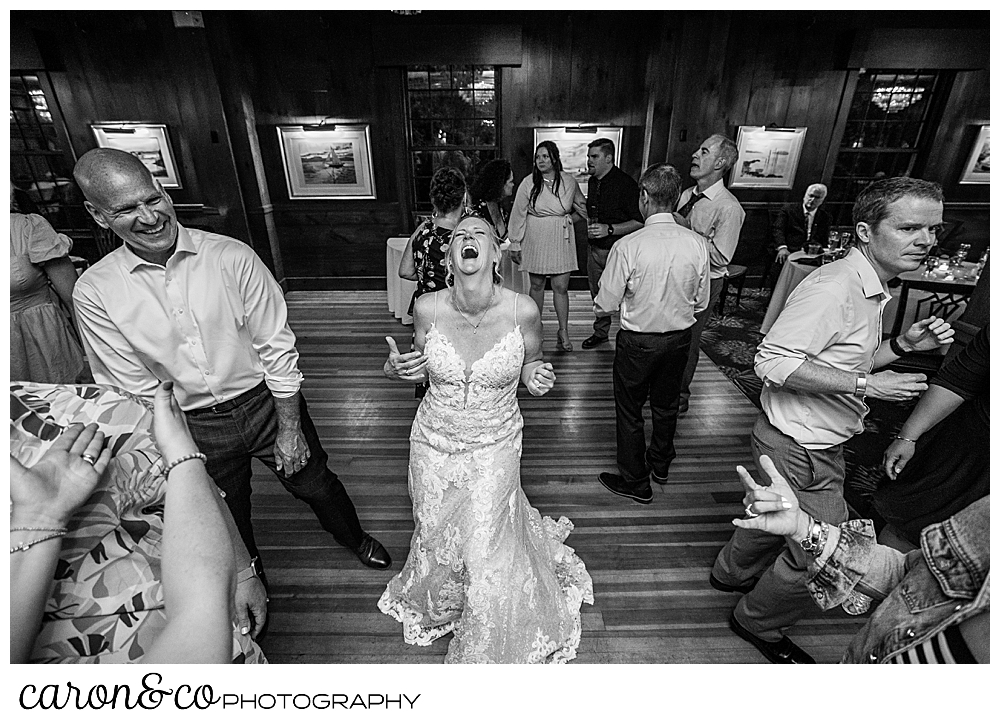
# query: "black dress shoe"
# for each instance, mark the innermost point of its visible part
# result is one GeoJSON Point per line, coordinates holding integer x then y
{"type": "Point", "coordinates": [727, 588]}
{"type": "Point", "coordinates": [372, 553]}
{"type": "Point", "coordinates": [617, 485]}
{"type": "Point", "coordinates": [592, 341]}
{"type": "Point", "coordinates": [777, 652]}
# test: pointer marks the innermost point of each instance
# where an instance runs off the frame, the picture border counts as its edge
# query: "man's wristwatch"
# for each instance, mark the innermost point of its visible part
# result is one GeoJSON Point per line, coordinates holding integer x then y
{"type": "Point", "coordinates": [861, 386]}
{"type": "Point", "coordinates": [611, 230]}
{"type": "Point", "coordinates": [254, 570]}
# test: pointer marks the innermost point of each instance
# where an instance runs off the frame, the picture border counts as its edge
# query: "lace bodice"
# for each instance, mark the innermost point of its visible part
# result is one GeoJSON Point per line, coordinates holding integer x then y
{"type": "Point", "coordinates": [472, 402]}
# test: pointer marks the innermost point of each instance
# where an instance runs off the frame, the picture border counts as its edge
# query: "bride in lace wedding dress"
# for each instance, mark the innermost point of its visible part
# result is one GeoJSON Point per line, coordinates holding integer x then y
{"type": "Point", "coordinates": [483, 563]}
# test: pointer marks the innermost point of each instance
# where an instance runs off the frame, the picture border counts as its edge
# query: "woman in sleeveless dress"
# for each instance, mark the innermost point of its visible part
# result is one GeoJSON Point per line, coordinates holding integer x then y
{"type": "Point", "coordinates": [541, 231]}
{"type": "Point", "coordinates": [483, 563]}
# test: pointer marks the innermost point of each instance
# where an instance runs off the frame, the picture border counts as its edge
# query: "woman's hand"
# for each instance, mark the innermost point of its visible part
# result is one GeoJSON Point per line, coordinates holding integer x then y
{"type": "Point", "coordinates": [170, 428]}
{"type": "Point", "coordinates": [541, 379]}
{"type": "Point", "coordinates": [897, 455]}
{"type": "Point", "coordinates": [409, 367]}
{"type": "Point", "coordinates": [776, 509]}
{"type": "Point", "coordinates": [48, 493]}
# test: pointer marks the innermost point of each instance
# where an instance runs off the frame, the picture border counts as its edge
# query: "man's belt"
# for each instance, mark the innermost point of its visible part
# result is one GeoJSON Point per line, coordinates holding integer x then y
{"type": "Point", "coordinates": [231, 404]}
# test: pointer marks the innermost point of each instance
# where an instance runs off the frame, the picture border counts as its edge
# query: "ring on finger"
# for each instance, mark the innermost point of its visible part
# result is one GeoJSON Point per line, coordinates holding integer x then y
{"type": "Point", "coordinates": [89, 458]}
{"type": "Point", "coordinates": [749, 511]}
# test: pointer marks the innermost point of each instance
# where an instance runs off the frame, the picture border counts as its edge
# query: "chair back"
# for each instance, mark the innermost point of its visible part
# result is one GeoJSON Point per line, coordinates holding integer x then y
{"type": "Point", "coordinates": [106, 241]}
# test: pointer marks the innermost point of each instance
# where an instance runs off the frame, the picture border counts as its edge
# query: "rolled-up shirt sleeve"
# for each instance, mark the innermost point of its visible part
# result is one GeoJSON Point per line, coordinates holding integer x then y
{"type": "Point", "coordinates": [854, 561]}
{"type": "Point", "coordinates": [267, 321]}
{"type": "Point", "coordinates": [614, 281]}
{"type": "Point", "coordinates": [812, 320]}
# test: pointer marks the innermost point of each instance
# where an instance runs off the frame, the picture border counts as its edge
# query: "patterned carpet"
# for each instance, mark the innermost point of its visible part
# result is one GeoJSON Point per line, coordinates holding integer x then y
{"type": "Point", "coordinates": [731, 340]}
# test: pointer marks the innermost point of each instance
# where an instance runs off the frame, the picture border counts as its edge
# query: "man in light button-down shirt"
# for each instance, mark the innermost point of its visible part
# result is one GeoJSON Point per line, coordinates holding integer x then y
{"type": "Point", "coordinates": [717, 215]}
{"type": "Point", "coordinates": [658, 275]}
{"type": "Point", "coordinates": [815, 364]}
{"type": "Point", "coordinates": [202, 310]}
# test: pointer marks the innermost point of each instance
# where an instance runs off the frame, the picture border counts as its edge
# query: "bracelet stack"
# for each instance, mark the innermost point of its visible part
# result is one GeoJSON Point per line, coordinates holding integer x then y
{"type": "Point", "coordinates": [815, 542]}
{"type": "Point", "coordinates": [53, 533]}
{"type": "Point", "coordinates": [183, 459]}
{"type": "Point", "coordinates": [896, 348]}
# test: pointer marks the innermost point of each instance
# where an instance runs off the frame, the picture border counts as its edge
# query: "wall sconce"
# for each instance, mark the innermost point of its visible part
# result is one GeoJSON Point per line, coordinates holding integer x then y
{"type": "Point", "coordinates": [321, 126]}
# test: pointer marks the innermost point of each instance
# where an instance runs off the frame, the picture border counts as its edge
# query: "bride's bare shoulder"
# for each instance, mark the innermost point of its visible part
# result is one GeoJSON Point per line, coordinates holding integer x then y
{"type": "Point", "coordinates": [527, 310]}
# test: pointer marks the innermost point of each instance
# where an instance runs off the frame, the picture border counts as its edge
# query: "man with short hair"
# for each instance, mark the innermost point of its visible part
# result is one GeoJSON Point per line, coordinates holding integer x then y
{"type": "Point", "coordinates": [815, 364]}
{"type": "Point", "coordinates": [710, 208]}
{"type": "Point", "coordinates": [202, 310]}
{"type": "Point", "coordinates": [612, 212]}
{"type": "Point", "coordinates": [798, 225]}
{"type": "Point", "coordinates": [658, 276]}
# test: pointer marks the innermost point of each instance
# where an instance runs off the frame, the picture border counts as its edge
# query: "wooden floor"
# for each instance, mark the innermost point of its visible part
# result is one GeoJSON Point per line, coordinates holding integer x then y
{"type": "Point", "coordinates": [649, 563]}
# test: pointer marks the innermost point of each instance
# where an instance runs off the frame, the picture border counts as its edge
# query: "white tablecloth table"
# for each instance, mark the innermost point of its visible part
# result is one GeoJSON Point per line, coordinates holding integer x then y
{"type": "Point", "coordinates": [398, 291]}
{"type": "Point", "coordinates": [791, 275]}
{"type": "Point", "coordinates": [513, 278]}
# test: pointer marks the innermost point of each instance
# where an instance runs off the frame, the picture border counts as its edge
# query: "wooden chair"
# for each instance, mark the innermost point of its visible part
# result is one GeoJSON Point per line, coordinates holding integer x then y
{"type": "Point", "coordinates": [106, 240]}
{"type": "Point", "coordinates": [736, 275]}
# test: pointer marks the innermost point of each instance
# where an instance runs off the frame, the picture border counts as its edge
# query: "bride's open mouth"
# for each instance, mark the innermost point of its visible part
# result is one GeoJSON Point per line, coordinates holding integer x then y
{"type": "Point", "coordinates": [470, 251]}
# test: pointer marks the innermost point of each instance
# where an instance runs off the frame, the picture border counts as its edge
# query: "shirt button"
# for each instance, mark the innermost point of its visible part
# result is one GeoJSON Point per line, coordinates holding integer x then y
{"type": "Point", "coordinates": [959, 607]}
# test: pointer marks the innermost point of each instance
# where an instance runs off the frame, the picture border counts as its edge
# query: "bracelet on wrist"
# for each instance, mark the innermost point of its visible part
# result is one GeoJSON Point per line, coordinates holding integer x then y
{"type": "Point", "coordinates": [904, 439]}
{"type": "Point", "coordinates": [896, 347]}
{"type": "Point", "coordinates": [815, 540]}
{"type": "Point", "coordinates": [183, 459]}
{"type": "Point", "coordinates": [22, 528]}
{"type": "Point", "coordinates": [21, 547]}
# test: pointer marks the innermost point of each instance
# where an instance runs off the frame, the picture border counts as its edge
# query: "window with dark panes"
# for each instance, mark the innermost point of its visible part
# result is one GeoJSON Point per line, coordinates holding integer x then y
{"type": "Point", "coordinates": [891, 121]}
{"type": "Point", "coordinates": [452, 113]}
{"type": "Point", "coordinates": [40, 169]}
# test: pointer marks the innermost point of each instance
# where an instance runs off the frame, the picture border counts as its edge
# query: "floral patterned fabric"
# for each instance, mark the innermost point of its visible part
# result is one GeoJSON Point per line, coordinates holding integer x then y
{"type": "Point", "coordinates": [483, 562]}
{"type": "Point", "coordinates": [107, 604]}
{"type": "Point", "coordinates": [430, 249]}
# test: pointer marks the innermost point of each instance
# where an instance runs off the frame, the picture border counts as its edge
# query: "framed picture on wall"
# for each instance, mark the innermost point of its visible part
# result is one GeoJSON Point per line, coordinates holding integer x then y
{"type": "Point", "coordinates": [149, 142]}
{"type": "Point", "coordinates": [572, 145]}
{"type": "Point", "coordinates": [328, 162]}
{"type": "Point", "coordinates": [768, 157]}
{"type": "Point", "coordinates": [977, 168]}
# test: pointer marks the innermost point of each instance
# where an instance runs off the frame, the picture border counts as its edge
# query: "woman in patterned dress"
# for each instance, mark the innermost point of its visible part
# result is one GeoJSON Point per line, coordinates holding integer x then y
{"type": "Point", "coordinates": [541, 231]}
{"type": "Point", "coordinates": [423, 259]}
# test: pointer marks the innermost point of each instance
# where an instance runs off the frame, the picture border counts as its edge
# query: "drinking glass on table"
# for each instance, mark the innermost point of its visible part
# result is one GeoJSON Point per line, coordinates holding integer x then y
{"type": "Point", "coordinates": [846, 238]}
{"type": "Point", "coordinates": [833, 240]}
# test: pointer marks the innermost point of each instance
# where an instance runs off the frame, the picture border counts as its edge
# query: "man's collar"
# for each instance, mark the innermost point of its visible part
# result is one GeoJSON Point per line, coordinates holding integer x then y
{"type": "Point", "coordinates": [184, 243]}
{"type": "Point", "coordinates": [661, 217]}
{"type": "Point", "coordinates": [871, 285]}
{"type": "Point", "coordinates": [712, 191]}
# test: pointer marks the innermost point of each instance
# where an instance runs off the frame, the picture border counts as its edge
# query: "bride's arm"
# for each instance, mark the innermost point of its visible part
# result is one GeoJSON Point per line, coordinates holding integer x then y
{"type": "Point", "coordinates": [536, 374]}
{"type": "Point", "coordinates": [411, 366]}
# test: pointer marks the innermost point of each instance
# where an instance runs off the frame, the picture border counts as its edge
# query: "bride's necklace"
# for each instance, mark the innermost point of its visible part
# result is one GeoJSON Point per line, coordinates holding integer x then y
{"type": "Point", "coordinates": [465, 315]}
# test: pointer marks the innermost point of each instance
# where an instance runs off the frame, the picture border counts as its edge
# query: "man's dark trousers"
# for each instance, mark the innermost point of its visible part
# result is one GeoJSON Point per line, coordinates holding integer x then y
{"type": "Point", "coordinates": [647, 366]}
{"type": "Point", "coordinates": [597, 260]}
{"type": "Point", "coordinates": [234, 436]}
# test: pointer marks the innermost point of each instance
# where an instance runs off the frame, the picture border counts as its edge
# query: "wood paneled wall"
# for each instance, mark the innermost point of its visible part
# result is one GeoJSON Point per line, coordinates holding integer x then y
{"type": "Point", "coordinates": [669, 78]}
{"type": "Point", "coordinates": [114, 66]}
